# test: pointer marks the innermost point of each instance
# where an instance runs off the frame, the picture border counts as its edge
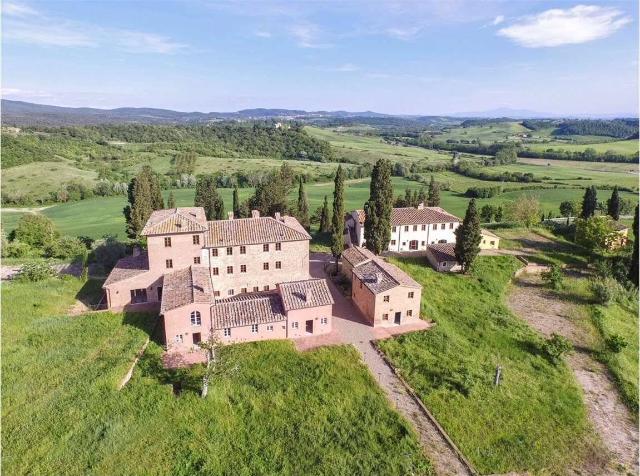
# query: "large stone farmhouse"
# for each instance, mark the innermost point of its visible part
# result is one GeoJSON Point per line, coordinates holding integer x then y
{"type": "Point", "coordinates": [412, 228]}
{"type": "Point", "coordinates": [244, 279]}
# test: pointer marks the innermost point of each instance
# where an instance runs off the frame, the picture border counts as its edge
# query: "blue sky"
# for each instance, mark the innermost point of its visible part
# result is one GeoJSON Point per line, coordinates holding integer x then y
{"type": "Point", "coordinates": [403, 57]}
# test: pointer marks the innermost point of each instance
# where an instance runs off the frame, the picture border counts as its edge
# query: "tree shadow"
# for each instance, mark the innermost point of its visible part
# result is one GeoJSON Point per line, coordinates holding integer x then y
{"type": "Point", "coordinates": [91, 293]}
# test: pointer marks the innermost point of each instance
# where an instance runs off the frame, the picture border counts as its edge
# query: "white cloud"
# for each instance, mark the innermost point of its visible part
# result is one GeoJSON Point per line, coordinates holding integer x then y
{"type": "Point", "coordinates": [307, 36]}
{"type": "Point", "coordinates": [343, 68]}
{"type": "Point", "coordinates": [138, 42]}
{"type": "Point", "coordinates": [403, 33]}
{"type": "Point", "coordinates": [499, 19]}
{"type": "Point", "coordinates": [17, 10]}
{"type": "Point", "coordinates": [45, 34]}
{"type": "Point", "coordinates": [263, 34]}
{"type": "Point", "coordinates": [580, 24]}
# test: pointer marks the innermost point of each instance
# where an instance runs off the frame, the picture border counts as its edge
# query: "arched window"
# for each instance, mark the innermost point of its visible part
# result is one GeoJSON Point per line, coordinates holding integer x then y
{"type": "Point", "coordinates": [195, 318]}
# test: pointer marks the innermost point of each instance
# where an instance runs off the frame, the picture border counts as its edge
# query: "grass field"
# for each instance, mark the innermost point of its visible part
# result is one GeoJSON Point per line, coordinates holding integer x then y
{"type": "Point", "coordinates": [618, 146]}
{"type": "Point", "coordinates": [280, 412]}
{"type": "Point", "coordinates": [43, 178]}
{"type": "Point", "coordinates": [534, 420]}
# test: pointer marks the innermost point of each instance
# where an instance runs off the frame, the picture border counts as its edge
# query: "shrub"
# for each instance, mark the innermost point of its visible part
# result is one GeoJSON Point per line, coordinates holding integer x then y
{"type": "Point", "coordinates": [17, 249]}
{"type": "Point", "coordinates": [604, 290]}
{"type": "Point", "coordinates": [35, 230]}
{"type": "Point", "coordinates": [108, 251]}
{"type": "Point", "coordinates": [36, 272]}
{"type": "Point", "coordinates": [553, 277]}
{"type": "Point", "coordinates": [615, 343]}
{"type": "Point", "coordinates": [66, 247]}
{"type": "Point", "coordinates": [556, 346]}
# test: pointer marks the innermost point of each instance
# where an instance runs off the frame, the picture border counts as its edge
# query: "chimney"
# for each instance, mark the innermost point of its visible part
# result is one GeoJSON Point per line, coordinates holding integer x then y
{"type": "Point", "coordinates": [276, 215]}
{"type": "Point", "coordinates": [230, 215]}
{"type": "Point", "coordinates": [420, 206]}
{"type": "Point", "coordinates": [255, 214]}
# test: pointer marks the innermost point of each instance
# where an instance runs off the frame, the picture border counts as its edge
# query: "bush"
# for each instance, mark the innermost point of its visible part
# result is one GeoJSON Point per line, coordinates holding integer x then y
{"type": "Point", "coordinates": [35, 230]}
{"type": "Point", "coordinates": [66, 247]}
{"type": "Point", "coordinates": [17, 249]}
{"type": "Point", "coordinates": [553, 277]}
{"type": "Point", "coordinates": [108, 251]}
{"type": "Point", "coordinates": [604, 290]}
{"type": "Point", "coordinates": [556, 346]}
{"type": "Point", "coordinates": [36, 272]}
{"type": "Point", "coordinates": [615, 343]}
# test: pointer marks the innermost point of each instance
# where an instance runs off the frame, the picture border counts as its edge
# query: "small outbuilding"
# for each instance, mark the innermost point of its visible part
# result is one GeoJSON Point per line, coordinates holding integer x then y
{"type": "Point", "coordinates": [489, 241]}
{"type": "Point", "coordinates": [442, 257]}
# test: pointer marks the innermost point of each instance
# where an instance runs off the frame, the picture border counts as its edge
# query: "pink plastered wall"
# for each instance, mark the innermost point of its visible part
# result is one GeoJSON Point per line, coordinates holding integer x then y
{"type": "Point", "coordinates": [182, 251]}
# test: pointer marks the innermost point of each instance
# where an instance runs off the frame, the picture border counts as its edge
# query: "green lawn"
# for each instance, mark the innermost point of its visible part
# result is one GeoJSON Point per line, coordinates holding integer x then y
{"type": "Point", "coordinates": [619, 146]}
{"type": "Point", "coordinates": [279, 412]}
{"type": "Point", "coordinates": [535, 419]}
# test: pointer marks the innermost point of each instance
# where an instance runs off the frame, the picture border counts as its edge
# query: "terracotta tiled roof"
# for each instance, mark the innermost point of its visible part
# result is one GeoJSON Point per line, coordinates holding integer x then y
{"type": "Point", "coordinates": [186, 286]}
{"type": "Point", "coordinates": [380, 276]}
{"type": "Point", "coordinates": [176, 220]}
{"type": "Point", "coordinates": [416, 216]}
{"type": "Point", "coordinates": [356, 255]}
{"type": "Point", "coordinates": [250, 231]}
{"type": "Point", "coordinates": [488, 233]}
{"type": "Point", "coordinates": [442, 252]}
{"type": "Point", "coordinates": [128, 267]}
{"type": "Point", "coordinates": [303, 294]}
{"type": "Point", "coordinates": [246, 309]}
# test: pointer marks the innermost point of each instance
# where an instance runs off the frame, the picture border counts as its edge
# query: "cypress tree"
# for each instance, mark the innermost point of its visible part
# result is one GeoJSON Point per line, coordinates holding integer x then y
{"type": "Point", "coordinates": [499, 214]}
{"type": "Point", "coordinates": [155, 192]}
{"type": "Point", "coordinates": [422, 197]}
{"type": "Point", "coordinates": [337, 219]}
{"type": "Point", "coordinates": [377, 223]}
{"type": "Point", "coordinates": [207, 197]}
{"type": "Point", "coordinates": [613, 205]}
{"type": "Point", "coordinates": [589, 202]}
{"type": "Point", "coordinates": [237, 212]}
{"type": "Point", "coordinates": [303, 207]}
{"type": "Point", "coordinates": [141, 192]}
{"type": "Point", "coordinates": [468, 237]}
{"type": "Point", "coordinates": [325, 219]}
{"type": "Point", "coordinates": [433, 197]}
{"type": "Point", "coordinates": [633, 265]}
{"type": "Point", "coordinates": [408, 198]}
{"type": "Point", "coordinates": [171, 201]}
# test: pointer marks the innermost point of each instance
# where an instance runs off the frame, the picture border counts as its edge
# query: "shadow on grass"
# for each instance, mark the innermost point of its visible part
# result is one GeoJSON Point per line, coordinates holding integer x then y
{"type": "Point", "coordinates": [91, 293]}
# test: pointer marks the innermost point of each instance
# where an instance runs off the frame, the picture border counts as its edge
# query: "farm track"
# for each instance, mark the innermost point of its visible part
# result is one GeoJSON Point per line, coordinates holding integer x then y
{"type": "Point", "coordinates": [609, 416]}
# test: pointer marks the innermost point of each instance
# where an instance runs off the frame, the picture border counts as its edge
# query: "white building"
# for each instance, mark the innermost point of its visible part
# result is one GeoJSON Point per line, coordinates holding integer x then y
{"type": "Point", "coordinates": [412, 228]}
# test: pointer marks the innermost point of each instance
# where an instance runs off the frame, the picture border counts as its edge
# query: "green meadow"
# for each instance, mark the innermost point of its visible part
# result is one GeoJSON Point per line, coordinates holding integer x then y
{"type": "Point", "coordinates": [274, 411]}
{"type": "Point", "coordinates": [535, 420]}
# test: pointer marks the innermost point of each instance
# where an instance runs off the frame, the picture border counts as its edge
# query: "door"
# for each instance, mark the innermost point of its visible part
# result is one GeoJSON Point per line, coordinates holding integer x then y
{"type": "Point", "coordinates": [413, 245]}
{"type": "Point", "coordinates": [197, 337]}
{"type": "Point", "coordinates": [396, 319]}
{"type": "Point", "coordinates": [159, 293]}
{"type": "Point", "coordinates": [309, 327]}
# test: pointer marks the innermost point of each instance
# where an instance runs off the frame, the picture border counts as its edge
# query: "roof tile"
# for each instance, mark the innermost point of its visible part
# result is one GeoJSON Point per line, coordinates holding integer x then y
{"type": "Point", "coordinates": [304, 294]}
{"type": "Point", "coordinates": [248, 231]}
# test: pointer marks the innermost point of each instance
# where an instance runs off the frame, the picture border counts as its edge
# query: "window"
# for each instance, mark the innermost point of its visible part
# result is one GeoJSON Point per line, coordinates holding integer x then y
{"type": "Point", "coordinates": [493, 242]}
{"type": "Point", "coordinates": [215, 271]}
{"type": "Point", "coordinates": [415, 227]}
{"type": "Point", "coordinates": [294, 325]}
{"type": "Point", "coordinates": [195, 318]}
{"type": "Point", "coordinates": [423, 227]}
{"type": "Point", "coordinates": [266, 288]}
{"type": "Point", "coordinates": [256, 289]}
{"type": "Point", "coordinates": [385, 298]}
{"type": "Point", "coordinates": [243, 250]}
{"type": "Point", "coordinates": [270, 328]}
{"type": "Point", "coordinates": [413, 245]}
{"type": "Point", "coordinates": [230, 292]}
{"type": "Point", "coordinates": [196, 260]}
{"type": "Point", "coordinates": [178, 339]}
{"type": "Point", "coordinates": [443, 226]}
{"type": "Point", "coordinates": [265, 266]}
{"type": "Point", "coordinates": [197, 337]}
{"type": "Point", "coordinates": [435, 226]}
{"type": "Point", "coordinates": [393, 229]}
{"type": "Point", "coordinates": [422, 243]}
{"type": "Point", "coordinates": [451, 225]}
{"type": "Point", "coordinates": [214, 252]}
{"type": "Point", "coordinates": [229, 251]}
{"type": "Point", "coordinates": [411, 294]}
{"type": "Point", "coordinates": [243, 268]}
{"type": "Point", "coordinates": [406, 228]}
{"type": "Point", "coordinates": [196, 239]}
{"type": "Point", "coordinates": [385, 317]}
{"type": "Point", "coordinates": [138, 296]}
{"type": "Point", "coordinates": [324, 320]}
{"type": "Point", "coordinates": [243, 290]}
{"type": "Point", "coordinates": [442, 241]}
{"type": "Point", "coordinates": [254, 328]}
{"type": "Point", "coordinates": [265, 247]}
{"type": "Point", "coordinates": [227, 332]}
{"type": "Point", "coordinates": [169, 263]}
{"type": "Point", "coordinates": [229, 269]}
{"type": "Point", "coordinates": [167, 242]}
{"type": "Point", "coordinates": [360, 284]}
{"type": "Point", "coordinates": [278, 246]}
{"type": "Point", "coordinates": [393, 242]}
{"type": "Point", "coordinates": [216, 293]}
{"type": "Point", "coordinates": [278, 264]}
{"type": "Point", "coordinates": [410, 313]}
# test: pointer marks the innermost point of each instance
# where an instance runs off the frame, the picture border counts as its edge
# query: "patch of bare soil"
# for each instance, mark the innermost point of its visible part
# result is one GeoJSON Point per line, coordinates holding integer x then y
{"type": "Point", "coordinates": [612, 420]}
{"type": "Point", "coordinates": [78, 308]}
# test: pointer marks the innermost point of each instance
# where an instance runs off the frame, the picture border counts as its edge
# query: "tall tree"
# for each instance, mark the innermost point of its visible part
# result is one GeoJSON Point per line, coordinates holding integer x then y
{"type": "Point", "coordinates": [171, 201]}
{"type": "Point", "coordinates": [567, 209]}
{"type": "Point", "coordinates": [303, 206]}
{"type": "Point", "coordinates": [325, 217]}
{"type": "Point", "coordinates": [155, 191]}
{"type": "Point", "coordinates": [207, 196]}
{"type": "Point", "coordinates": [433, 197]}
{"type": "Point", "coordinates": [614, 204]}
{"type": "Point", "coordinates": [337, 219]}
{"type": "Point", "coordinates": [271, 193]}
{"type": "Point", "coordinates": [468, 237]}
{"type": "Point", "coordinates": [377, 222]}
{"type": "Point", "coordinates": [589, 202]}
{"type": "Point", "coordinates": [633, 265]}
{"type": "Point", "coordinates": [422, 196]}
{"type": "Point", "coordinates": [499, 214]}
{"type": "Point", "coordinates": [142, 197]}
{"type": "Point", "coordinates": [237, 212]}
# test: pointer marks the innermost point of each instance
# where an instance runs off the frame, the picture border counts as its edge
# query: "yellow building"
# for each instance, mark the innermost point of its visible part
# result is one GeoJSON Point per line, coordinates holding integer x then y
{"type": "Point", "coordinates": [488, 240]}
